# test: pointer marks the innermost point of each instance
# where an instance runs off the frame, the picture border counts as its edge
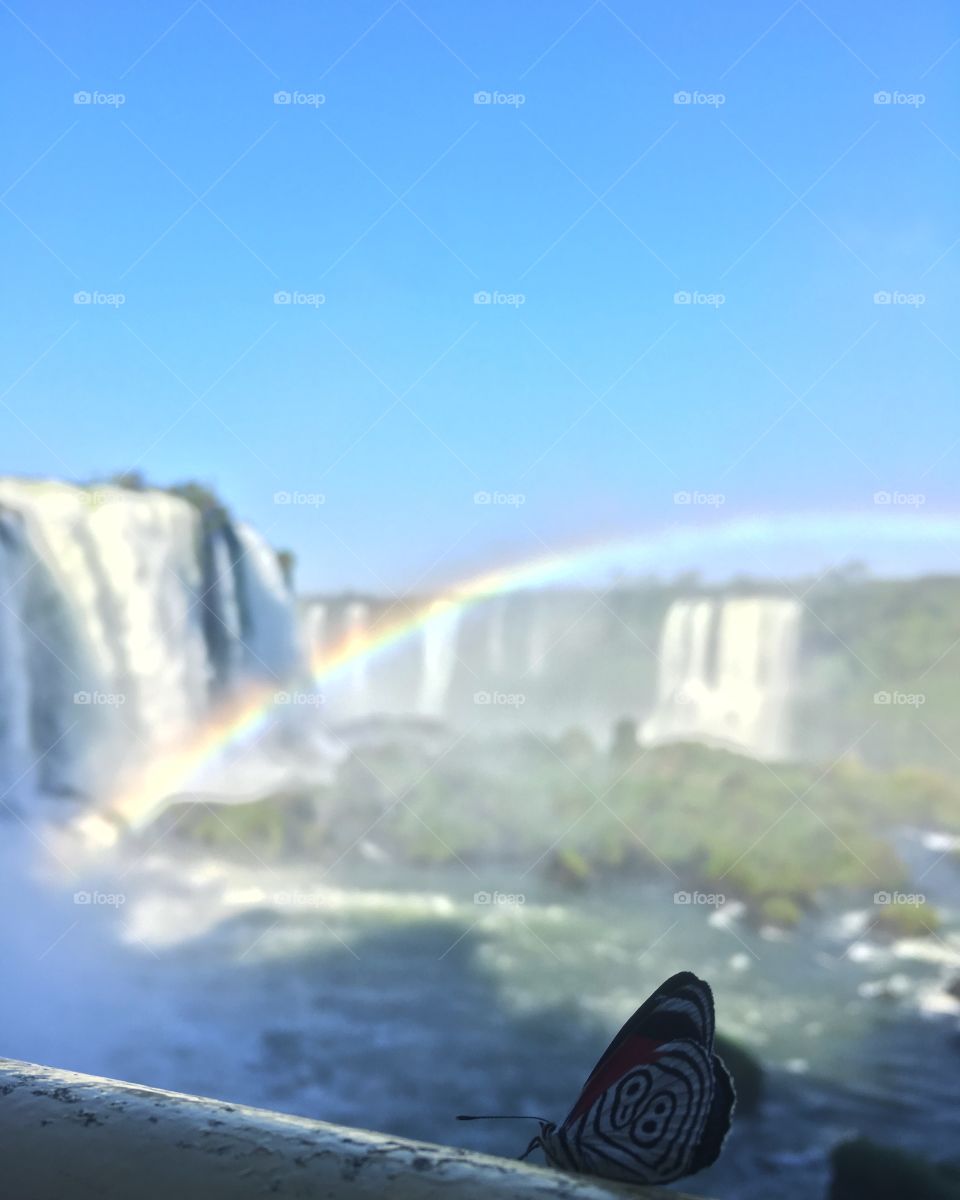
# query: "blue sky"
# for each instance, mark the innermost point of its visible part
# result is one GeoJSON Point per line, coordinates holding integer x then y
{"type": "Point", "coordinates": [783, 190]}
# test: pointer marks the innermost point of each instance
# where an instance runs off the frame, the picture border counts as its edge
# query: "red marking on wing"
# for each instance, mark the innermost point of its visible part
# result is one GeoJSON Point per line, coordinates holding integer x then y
{"type": "Point", "coordinates": [632, 1052]}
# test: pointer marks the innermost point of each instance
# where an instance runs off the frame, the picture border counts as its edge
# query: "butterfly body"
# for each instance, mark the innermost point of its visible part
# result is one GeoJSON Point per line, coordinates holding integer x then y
{"type": "Point", "coordinates": [658, 1104]}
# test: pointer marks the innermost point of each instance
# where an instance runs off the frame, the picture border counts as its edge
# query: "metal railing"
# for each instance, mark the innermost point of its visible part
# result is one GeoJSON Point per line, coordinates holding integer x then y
{"type": "Point", "coordinates": [65, 1136]}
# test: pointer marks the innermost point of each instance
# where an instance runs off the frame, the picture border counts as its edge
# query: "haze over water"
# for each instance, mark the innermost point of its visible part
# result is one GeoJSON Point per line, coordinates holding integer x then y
{"type": "Point", "coordinates": [479, 534]}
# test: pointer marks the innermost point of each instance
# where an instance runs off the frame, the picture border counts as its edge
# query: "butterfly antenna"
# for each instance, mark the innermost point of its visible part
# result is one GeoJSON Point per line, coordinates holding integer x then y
{"type": "Point", "coordinates": [504, 1117]}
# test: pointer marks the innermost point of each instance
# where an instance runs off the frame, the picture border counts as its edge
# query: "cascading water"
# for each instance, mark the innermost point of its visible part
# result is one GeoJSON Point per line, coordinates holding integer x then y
{"type": "Point", "coordinates": [270, 639]}
{"type": "Point", "coordinates": [357, 619]}
{"type": "Point", "coordinates": [221, 603]}
{"type": "Point", "coordinates": [496, 630]}
{"type": "Point", "coordinates": [726, 674]}
{"type": "Point", "coordinates": [15, 713]}
{"type": "Point", "coordinates": [439, 658]}
{"type": "Point", "coordinates": [315, 629]}
{"type": "Point", "coordinates": [538, 644]}
{"type": "Point", "coordinates": [108, 598]}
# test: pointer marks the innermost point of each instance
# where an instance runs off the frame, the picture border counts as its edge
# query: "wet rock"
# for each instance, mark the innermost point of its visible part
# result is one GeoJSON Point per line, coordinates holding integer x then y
{"type": "Point", "coordinates": [864, 1170]}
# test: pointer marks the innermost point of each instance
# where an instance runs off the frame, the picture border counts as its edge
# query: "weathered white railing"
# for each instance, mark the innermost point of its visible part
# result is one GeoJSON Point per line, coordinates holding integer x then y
{"type": "Point", "coordinates": [65, 1136]}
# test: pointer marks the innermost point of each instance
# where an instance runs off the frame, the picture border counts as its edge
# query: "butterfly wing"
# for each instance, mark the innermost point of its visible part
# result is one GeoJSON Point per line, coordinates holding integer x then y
{"type": "Point", "coordinates": [647, 1127]}
{"type": "Point", "coordinates": [657, 1105]}
{"type": "Point", "coordinates": [680, 1008]}
{"type": "Point", "coordinates": [719, 1118]}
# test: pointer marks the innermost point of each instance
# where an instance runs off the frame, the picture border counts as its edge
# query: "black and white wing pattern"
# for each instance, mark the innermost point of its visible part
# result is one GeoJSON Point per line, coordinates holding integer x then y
{"type": "Point", "coordinates": [658, 1104]}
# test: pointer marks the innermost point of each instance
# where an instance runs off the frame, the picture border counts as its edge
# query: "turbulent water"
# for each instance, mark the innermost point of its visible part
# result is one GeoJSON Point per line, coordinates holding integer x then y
{"type": "Point", "coordinates": [393, 999]}
{"type": "Point", "coordinates": [125, 619]}
{"type": "Point", "coordinates": [377, 995]}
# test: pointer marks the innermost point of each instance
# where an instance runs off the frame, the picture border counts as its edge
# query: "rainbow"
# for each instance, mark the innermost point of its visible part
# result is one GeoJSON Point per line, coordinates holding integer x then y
{"type": "Point", "coordinates": [239, 722]}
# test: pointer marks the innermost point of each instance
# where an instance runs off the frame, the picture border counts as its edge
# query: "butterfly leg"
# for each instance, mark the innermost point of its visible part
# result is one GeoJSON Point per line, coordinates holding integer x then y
{"type": "Point", "coordinates": [529, 1150]}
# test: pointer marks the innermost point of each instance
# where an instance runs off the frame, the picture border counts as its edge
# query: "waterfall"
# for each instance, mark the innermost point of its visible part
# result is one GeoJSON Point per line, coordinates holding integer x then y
{"type": "Point", "coordinates": [107, 601]}
{"type": "Point", "coordinates": [15, 740]}
{"type": "Point", "coordinates": [270, 640]}
{"type": "Point", "coordinates": [496, 629]}
{"type": "Point", "coordinates": [315, 628]}
{"type": "Point", "coordinates": [222, 609]}
{"type": "Point", "coordinates": [538, 641]}
{"type": "Point", "coordinates": [357, 618]}
{"type": "Point", "coordinates": [726, 674]}
{"type": "Point", "coordinates": [439, 657]}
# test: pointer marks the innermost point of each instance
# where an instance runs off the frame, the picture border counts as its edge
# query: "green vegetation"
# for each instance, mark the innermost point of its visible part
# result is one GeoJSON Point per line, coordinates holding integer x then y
{"type": "Point", "coordinates": [786, 839]}
{"type": "Point", "coordinates": [780, 910]}
{"type": "Point", "coordinates": [908, 920]}
{"type": "Point", "coordinates": [881, 661]}
{"type": "Point", "coordinates": [265, 830]}
{"type": "Point", "coordinates": [211, 508]}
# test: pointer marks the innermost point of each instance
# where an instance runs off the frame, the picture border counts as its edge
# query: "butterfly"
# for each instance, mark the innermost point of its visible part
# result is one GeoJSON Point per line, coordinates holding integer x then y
{"type": "Point", "coordinates": [659, 1103]}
